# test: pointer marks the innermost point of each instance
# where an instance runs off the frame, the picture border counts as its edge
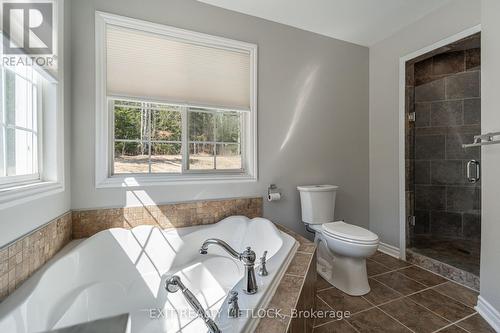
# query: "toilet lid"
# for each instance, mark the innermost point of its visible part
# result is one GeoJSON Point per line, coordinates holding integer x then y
{"type": "Point", "coordinates": [349, 232]}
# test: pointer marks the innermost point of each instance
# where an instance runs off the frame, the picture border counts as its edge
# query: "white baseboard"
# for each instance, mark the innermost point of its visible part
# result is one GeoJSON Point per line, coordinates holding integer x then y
{"type": "Point", "coordinates": [393, 251]}
{"type": "Point", "coordinates": [489, 313]}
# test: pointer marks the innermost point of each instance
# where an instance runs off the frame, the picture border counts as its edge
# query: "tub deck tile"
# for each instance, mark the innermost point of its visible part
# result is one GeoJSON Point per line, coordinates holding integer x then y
{"type": "Point", "coordinates": [296, 291]}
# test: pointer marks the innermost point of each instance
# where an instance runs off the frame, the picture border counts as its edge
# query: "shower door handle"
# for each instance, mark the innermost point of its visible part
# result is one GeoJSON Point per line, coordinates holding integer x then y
{"type": "Point", "coordinates": [473, 176]}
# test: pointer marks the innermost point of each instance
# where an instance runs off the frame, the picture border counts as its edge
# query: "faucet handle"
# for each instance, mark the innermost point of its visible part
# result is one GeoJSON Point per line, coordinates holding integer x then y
{"type": "Point", "coordinates": [234, 309]}
{"type": "Point", "coordinates": [233, 296]}
{"type": "Point", "coordinates": [262, 269]}
{"type": "Point", "coordinates": [248, 256]}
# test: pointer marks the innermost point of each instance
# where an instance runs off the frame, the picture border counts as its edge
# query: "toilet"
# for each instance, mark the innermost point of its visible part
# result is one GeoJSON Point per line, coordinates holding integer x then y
{"type": "Point", "coordinates": [342, 247]}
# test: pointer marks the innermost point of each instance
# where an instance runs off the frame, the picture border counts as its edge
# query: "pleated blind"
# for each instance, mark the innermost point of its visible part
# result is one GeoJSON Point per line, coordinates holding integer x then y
{"type": "Point", "coordinates": [153, 66]}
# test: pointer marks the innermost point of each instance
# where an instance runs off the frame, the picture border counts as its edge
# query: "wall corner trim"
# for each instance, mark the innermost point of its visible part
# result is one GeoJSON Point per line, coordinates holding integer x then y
{"type": "Point", "coordinates": [488, 312]}
{"type": "Point", "coordinates": [391, 250]}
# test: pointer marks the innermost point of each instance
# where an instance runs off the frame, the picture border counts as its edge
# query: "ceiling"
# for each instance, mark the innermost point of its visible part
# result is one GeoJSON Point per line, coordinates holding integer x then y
{"type": "Point", "coordinates": [363, 22]}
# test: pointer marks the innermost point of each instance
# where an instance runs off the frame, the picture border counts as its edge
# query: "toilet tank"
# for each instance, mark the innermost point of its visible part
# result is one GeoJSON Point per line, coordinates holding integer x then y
{"type": "Point", "coordinates": [317, 203]}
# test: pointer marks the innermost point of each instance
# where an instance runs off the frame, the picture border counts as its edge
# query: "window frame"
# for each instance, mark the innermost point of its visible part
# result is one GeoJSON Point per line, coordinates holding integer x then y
{"type": "Point", "coordinates": [50, 112]}
{"type": "Point", "coordinates": [104, 149]}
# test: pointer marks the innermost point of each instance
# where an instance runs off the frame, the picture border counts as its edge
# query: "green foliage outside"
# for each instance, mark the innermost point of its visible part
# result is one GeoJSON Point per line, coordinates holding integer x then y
{"type": "Point", "coordinates": [164, 123]}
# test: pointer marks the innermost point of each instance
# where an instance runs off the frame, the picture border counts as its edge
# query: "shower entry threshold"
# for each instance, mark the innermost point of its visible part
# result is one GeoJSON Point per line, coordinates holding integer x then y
{"type": "Point", "coordinates": [450, 272]}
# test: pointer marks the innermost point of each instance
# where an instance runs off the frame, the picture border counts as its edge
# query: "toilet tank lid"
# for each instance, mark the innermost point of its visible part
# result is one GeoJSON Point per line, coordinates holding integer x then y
{"type": "Point", "coordinates": [317, 188]}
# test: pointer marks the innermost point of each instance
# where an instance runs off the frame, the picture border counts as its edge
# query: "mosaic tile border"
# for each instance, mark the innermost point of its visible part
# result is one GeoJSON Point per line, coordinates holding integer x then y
{"type": "Point", "coordinates": [455, 274]}
{"type": "Point", "coordinates": [176, 215]}
{"type": "Point", "coordinates": [20, 259]}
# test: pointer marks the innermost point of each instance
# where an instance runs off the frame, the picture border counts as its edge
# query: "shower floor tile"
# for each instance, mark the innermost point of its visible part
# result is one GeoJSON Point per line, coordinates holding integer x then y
{"type": "Point", "coordinates": [463, 254]}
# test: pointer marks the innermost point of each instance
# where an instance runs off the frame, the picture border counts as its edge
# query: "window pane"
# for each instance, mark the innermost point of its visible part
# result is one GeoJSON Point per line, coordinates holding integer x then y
{"type": "Point", "coordinates": [19, 101]}
{"type": "Point", "coordinates": [131, 157]}
{"type": "Point", "coordinates": [130, 123]}
{"type": "Point", "coordinates": [2, 148]}
{"type": "Point", "coordinates": [201, 126]}
{"type": "Point", "coordinates": [166, 125]}
{"type": "Point", "coordinates": [228, 127]}
{"type": "Point", "coordinates": [166, 157]}
{"type": "Point", "coordinates": [21, 153]}
{"type": "Point", "coordinates": [228, 156]}
{"type": "Point", "coordinates": [201, 156]}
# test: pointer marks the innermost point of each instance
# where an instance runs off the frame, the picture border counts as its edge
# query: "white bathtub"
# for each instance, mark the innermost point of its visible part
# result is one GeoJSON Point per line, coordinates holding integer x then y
{"type": "Point", "coordinates": [123, 271]}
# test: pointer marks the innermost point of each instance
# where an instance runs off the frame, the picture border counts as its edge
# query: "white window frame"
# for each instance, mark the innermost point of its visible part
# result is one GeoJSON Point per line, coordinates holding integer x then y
{"type": "Point", "coordinates": [104, 116]}
{"type": "Point", "coordinates": [50, 178]}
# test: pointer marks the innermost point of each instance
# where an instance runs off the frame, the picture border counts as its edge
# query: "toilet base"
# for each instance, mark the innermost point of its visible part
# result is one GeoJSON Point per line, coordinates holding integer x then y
{"type": "Point", "coordinates": [344, 273]}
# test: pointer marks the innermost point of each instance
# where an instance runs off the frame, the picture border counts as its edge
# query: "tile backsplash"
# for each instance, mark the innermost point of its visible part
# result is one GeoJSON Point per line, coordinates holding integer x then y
{"type": "Point", "coordinates": [20, 259]}
{"type": "Point", "coordinates": [177, 215]}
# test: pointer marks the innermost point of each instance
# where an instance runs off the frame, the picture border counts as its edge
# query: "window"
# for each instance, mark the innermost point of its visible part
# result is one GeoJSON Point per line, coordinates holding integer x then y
{"type": "Point", "coordinates": [214, 139]}
{"type": "Point", "coordinates": [31, 108]}
{"type": "Point", "coordinates": [19, 125]}
{"type": "Point", "coordinates": [172, 105]}
{"type": "Point", "coordinates": [148, 138]}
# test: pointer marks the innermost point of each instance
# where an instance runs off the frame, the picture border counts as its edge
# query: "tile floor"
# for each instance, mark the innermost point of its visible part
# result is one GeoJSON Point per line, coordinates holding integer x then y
{"type": "Point", "coordinates": [463, 254]}
{"type": "Point", "coordinates": [403, 298]}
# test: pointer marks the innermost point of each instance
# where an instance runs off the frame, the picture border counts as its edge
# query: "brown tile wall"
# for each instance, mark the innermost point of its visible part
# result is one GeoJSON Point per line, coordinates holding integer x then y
{"type": "Point", "coordinates": [88, 222]}
{"type": "Point", "coordinates": [19, 260]}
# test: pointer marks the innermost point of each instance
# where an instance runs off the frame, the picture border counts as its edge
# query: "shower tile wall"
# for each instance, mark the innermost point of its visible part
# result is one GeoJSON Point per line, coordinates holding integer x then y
{"type": "Point", "coordinates": [447, 108]}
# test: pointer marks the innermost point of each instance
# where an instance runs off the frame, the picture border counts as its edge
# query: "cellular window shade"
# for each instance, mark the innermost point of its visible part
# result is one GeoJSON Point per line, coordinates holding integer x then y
{"type": "Point", "coordinates": [153, 66]}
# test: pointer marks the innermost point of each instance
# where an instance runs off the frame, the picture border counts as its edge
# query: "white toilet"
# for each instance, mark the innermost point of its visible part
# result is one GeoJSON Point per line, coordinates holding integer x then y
{"type": "Point", "coordinates": [342, 247]}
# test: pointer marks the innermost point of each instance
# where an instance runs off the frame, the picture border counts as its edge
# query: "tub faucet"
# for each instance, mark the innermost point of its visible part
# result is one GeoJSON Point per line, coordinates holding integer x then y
{"type": "Point", "coordinates": [174, 284]}
{"type": "Point", "coordinates": [262, 268]}
{"type": "Point", "coordinates": [247, 257]}
{"type": "Point", "coordinates": [234, 308]}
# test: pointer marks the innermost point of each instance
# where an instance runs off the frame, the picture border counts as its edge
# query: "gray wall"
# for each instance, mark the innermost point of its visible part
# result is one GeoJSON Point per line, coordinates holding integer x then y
{"type": "Point", "coordinates": [312, 104]}
{"type": "Point", "coordinates": [490, 122]}
{"type": "Point", "coordinates": [20, 219]}
{"type": "Point", "coordinates": [384, 93]}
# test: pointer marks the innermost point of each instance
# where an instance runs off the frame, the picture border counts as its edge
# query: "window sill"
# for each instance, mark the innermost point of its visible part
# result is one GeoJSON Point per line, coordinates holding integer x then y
{"type": "Point", "coordinates": [21, 193]}
{"type": "Point", "coordinates": [121, 181]}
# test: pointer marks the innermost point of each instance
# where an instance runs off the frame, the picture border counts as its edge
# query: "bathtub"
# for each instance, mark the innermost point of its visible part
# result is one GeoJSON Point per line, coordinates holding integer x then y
{"type": "Point", "coordinates": [121, 271]}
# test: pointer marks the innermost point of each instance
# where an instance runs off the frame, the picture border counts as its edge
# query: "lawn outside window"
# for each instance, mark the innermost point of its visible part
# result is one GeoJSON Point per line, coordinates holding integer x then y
{"type": "Point", "coordinates": [172, 106]}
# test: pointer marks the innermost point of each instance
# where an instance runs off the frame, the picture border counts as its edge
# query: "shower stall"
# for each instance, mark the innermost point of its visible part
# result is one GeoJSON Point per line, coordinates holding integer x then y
{"type": "Point", "coordinates": [443, 185]}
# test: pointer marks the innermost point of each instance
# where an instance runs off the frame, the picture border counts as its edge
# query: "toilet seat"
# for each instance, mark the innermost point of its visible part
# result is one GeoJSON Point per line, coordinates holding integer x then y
{"type": "Point", "coordinates": [349, 233]}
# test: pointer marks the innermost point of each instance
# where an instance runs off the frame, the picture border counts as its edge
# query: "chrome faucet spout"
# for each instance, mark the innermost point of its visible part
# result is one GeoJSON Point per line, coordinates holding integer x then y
{"type": "Point", "coordinates": [247, 257]}
{"type": "Point", "coordinates": [221, 243]}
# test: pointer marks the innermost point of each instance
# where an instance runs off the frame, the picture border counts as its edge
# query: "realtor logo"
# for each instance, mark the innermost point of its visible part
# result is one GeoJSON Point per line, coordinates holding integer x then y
{"type": "Point", "coordinates": [27, 28]}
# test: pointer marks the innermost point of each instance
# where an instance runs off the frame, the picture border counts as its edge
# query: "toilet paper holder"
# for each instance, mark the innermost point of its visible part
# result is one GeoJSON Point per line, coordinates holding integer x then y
{"type": "Point", "coordinates": [273, 193]}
